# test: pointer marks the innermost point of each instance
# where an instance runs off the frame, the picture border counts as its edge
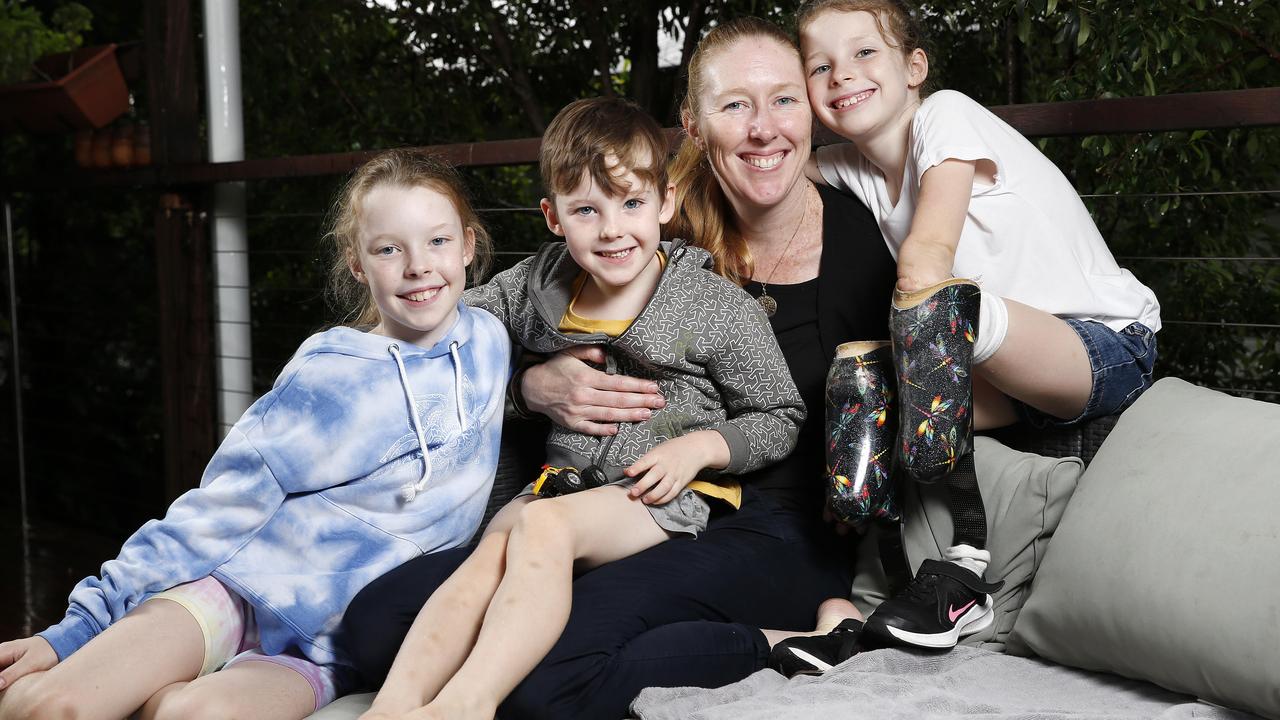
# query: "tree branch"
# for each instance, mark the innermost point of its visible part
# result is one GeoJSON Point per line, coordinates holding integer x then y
{"type": "Point", "coordinates": [697, 18]}
{"type": "Point", "coordinates": [643, 24]}
{"type": "Point", "coordinates": [1244, 34]}
{"type": "Point", "coordinates": [592, 22]}
{"type": "Point", "coordinates": [512, 71]}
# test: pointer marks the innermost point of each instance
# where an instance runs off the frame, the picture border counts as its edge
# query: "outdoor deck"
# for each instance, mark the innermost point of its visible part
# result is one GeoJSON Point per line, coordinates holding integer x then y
{"type": "Point", "coordinates": [110, 380]}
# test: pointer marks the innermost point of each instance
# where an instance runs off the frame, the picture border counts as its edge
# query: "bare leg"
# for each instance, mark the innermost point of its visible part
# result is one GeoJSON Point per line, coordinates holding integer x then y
{"type": "Point", "coordinates": [1042, 363]}
{"type": "Point", "coordinates": [156, 645]}
{"type": "Point", "coordinates": [830, 613]}
{"type": "Point", "coordinates": [991, 408]}
{"type": "Point", "coordinates": [445, 629]}
{"type": "Point", "coordinates": [251, 689]}
{"type": "Point", "coordinates": [531, 606]}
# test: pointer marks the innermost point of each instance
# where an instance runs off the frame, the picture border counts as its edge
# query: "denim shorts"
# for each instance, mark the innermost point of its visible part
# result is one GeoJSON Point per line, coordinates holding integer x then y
{"type": "Point", "coordinates": [1121, 363]}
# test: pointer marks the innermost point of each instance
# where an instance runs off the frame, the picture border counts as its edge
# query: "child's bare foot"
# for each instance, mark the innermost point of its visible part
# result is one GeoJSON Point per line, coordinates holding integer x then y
{"type": "Point", "coordinates": [834, 640]}
{"type": "Point", "coordinates": [450, 707]}
{"type": "Point", "coordinates": [372, 714]}
{"type": "Point", "coordinates": [831, 613]}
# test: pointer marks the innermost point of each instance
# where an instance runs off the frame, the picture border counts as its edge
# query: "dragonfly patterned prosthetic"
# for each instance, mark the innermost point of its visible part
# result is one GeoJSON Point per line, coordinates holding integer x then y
{"type": "Point", "coordinates": [933, 332]}
{"type": "Point", "coordinates": [862, 433]}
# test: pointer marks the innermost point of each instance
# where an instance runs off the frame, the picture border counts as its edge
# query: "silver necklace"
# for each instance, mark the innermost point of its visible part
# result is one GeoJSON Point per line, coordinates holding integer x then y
{"type": "Point", "coordinates": [770, 305]}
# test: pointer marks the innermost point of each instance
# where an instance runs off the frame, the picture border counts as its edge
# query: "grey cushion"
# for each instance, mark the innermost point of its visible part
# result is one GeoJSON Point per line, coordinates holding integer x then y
{"type": "Point", "coordinates": [1024, 496]}
{"type": "Point", "coordinates": [1166, 566]}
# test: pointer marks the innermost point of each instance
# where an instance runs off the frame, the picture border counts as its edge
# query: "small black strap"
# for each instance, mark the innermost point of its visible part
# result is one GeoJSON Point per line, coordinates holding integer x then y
{"type": "Point", "coordinates": [850, 631]}
{"type": "Point", "coordinates": [968, 517]}
{"type": "Point", "coordinates": [965, 503]}
{"type": "Point", "coordinates": [960, 575]}
{"type": "Point", "coordinates": [893, 557]}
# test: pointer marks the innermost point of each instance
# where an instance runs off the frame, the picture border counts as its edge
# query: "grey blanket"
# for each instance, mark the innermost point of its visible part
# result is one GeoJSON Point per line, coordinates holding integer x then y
{"type": "Point", "coordinates": [916, 684]}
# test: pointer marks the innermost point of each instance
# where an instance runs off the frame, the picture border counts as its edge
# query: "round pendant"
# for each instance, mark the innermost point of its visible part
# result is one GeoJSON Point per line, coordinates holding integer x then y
{"type": "Point", "coordinates": [769, 304]}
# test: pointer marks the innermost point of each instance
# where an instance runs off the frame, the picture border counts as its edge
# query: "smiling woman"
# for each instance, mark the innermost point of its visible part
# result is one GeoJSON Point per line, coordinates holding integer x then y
{"type": "Point", "coordinates": [749, 134]}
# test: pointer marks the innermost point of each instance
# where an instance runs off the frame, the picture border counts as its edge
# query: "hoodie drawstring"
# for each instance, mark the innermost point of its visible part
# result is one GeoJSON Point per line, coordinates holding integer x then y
{"type": "Point", "coordinates": [410, 491]}
{"type": "Point", "coordinates": [457, 381]}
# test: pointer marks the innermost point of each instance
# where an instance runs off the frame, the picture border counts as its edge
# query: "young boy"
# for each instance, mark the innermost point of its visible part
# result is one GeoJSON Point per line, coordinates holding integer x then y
{"type": "Point", "coordinates": [661, 314]}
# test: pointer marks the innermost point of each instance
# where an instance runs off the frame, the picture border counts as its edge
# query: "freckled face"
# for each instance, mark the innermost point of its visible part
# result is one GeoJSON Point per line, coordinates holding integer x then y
{"type": "Point", "coordinates": [753, 119]}
{"type": "Point", "coordinates": [612, 237]}
{"type": "Point", "coordinates": [858, 83]}
{"type": "Point", "coordinates": [412, 252]}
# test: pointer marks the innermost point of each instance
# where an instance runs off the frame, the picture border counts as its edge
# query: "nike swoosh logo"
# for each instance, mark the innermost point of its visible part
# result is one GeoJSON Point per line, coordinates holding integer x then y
{"type": "Point", "coordinates": [953, 613]}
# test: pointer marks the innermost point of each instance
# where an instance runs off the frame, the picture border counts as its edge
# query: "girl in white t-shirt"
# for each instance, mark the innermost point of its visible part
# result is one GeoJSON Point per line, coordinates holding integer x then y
{"type": "Point", "coordinates": [1003, 279]}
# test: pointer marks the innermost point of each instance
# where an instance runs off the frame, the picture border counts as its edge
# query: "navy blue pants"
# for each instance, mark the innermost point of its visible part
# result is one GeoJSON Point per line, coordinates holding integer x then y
{"type": "Point", "coordinates": [685, 612]}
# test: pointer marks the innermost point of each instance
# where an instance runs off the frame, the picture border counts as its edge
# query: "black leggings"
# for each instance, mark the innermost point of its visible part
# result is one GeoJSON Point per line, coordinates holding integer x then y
{"type": "Point", "coordinates": [685, 612]}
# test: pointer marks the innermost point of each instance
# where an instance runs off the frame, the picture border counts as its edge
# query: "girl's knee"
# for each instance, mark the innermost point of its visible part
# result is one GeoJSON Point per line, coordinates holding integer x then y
{"type": "Point", "coordinates": [35, 698]}
{"type": "Point", "coordinates": [195, 703]}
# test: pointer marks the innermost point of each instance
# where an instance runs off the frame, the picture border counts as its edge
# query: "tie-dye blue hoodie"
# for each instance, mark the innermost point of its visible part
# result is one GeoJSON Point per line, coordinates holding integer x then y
{"type": "Point", "coordinates": [305, 501]}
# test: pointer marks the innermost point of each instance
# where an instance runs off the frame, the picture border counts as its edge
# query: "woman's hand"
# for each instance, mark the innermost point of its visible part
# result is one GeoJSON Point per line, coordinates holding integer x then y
{"type": "Point", "coordinates": [579, 397]}
{"type": "Point", "coordinates": [666, 469]}
{"type": "Point", "coordinates": [23, 657]}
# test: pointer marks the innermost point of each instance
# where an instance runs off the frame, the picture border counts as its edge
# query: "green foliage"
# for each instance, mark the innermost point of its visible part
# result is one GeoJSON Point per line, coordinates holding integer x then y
{"type": "Point", "coordinates": [330, 75]}
{"type": "Point", "coordinates": [24, 36]}
{"type": "Point", "coordinates": [1213, 260]}
{"type": "Point", "coordinates": [325, 76]}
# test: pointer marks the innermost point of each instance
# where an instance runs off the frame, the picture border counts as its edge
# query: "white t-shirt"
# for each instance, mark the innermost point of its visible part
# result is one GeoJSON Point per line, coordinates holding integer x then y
{"type": "Point", "coordinates": [1028, 237]}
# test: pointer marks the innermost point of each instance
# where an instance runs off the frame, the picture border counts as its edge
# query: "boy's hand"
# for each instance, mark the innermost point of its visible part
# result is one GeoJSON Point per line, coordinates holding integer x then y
{"type": "Point", "coordinates": [23, 657]}
{"type": "Point", "coordinates": [666, 469]}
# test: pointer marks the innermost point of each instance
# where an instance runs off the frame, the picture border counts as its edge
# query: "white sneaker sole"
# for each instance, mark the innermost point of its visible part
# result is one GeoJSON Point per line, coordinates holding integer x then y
{"type": "Point", "coordinates": [818, 666]}
{"type": "Point", "coordinates": [975, 620]}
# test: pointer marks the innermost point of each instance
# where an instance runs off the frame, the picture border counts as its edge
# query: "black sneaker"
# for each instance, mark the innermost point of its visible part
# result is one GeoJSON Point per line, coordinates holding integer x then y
{"type": "Point", "coordinates": [941, 604]}
{"type": "Point", "coordinates": [816, 654]}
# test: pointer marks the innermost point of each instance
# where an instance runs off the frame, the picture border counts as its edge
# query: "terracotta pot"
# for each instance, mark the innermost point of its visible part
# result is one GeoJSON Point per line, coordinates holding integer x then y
{"type": "Point", "coordinates": [90, 95]}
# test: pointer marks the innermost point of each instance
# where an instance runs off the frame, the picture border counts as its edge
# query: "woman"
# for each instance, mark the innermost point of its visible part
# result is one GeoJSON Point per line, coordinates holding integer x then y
{"type": "Point", "coordinates": [686, 612]}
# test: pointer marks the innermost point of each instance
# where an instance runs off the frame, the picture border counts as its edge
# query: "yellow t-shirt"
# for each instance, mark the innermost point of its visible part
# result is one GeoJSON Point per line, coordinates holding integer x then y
{"type": "Point", "coordinates": [727, 490]}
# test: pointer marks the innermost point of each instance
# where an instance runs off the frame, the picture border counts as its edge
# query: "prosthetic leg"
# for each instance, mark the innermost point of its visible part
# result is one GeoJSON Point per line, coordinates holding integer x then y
{"type": "Point", "coordinates": [933, 333]}
{"type": "Point", "coordinates": [862, 432]}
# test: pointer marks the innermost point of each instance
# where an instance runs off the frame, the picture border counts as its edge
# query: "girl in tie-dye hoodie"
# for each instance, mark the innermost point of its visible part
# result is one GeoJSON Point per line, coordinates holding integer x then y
{"type": "Point", "coordinates": [376, 444]}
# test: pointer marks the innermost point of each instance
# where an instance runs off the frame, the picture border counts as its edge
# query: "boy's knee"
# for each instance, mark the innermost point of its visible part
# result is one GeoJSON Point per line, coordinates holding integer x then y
{"type": "Point", "coordinates": [544, 519]}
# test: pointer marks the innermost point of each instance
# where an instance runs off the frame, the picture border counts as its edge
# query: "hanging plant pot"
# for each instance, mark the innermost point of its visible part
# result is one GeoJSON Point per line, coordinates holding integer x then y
{"type": "Point", "coordinates": [88, 91]}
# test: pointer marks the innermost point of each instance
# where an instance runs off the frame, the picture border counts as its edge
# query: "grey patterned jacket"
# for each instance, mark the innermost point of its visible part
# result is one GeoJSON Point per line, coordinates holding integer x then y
{"type": "Point", "coordinates": [704, 340]}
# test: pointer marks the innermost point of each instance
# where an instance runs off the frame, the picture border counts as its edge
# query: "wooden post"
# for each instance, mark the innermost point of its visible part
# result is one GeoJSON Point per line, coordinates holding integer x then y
{"type": "Point", "coordinates": [182, 248]}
